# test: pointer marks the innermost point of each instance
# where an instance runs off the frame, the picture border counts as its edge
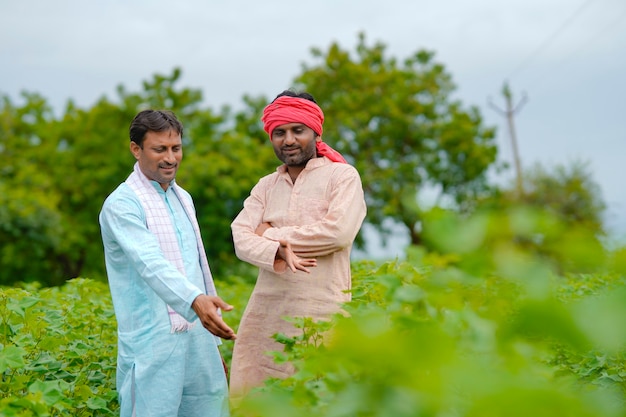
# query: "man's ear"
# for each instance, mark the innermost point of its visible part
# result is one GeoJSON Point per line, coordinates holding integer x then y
{"type": "Point", "coordinates": [135, 149]}
{"type": "Point", "coordinates": [318, 138]}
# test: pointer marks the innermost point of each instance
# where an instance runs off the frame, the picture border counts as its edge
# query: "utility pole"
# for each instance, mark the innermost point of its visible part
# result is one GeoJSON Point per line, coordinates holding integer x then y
{"type": "Point", "coordinates": [509, 113]}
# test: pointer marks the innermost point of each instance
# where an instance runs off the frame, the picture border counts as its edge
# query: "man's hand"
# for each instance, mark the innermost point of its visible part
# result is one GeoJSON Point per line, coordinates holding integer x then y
{"type": "Point", "coordinates": [293, 261]}
{"type": "Point", "coordinates": [206, 307]}
{"type": "Point", "coordinates": [262, 228]}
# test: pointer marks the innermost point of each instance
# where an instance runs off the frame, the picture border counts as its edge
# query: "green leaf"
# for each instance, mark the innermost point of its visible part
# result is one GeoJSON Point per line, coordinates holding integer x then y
{"type": "Point", "coordinates": [50, 390]}
{"type": "Point", "coordinates": [97, 403]}
{"type": "Point", "coordinates": [11, 357]}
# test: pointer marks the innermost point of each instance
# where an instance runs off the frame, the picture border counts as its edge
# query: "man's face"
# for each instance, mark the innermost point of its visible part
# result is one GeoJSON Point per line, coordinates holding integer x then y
{"type": "Point", "coordinates": [294, 143]}
{"type": "Point", "coordinates": [160, 156]}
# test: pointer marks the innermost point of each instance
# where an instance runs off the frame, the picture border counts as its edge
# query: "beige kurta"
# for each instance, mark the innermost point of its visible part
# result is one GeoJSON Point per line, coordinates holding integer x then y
{"type": "Point", "coordinates": [320, 215]}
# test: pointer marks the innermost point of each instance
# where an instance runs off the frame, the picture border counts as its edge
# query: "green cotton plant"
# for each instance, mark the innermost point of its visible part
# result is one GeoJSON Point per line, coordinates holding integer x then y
{"type": "Point", "coordinates": [57, 351]}
{"type": "Point", "coordinates": [486, 326]}
{"type": "Point", "coordinates": [234, 290]}
{"type": "Point", "coordinates": [598, 302]}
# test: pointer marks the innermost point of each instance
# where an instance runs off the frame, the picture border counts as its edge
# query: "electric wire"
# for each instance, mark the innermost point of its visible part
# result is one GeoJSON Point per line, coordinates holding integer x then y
{"type": "Point", "coordinates": [551, 38]}
{"type": "Point", "coordinates": [584, 45]}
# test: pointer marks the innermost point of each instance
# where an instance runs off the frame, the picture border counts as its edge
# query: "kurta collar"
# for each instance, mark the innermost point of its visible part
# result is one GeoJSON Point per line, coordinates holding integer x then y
{"type": "Point", "coordinates": [160, 189]}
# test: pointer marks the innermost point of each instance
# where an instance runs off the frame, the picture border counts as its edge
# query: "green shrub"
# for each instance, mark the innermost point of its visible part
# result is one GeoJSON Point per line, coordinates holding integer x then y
{"type": "Point", "coordinates": [483, 327]}
{"type": "Point", "coordinates": [57, 351]}
{"type": "Point", "coordinates": [58, 347]}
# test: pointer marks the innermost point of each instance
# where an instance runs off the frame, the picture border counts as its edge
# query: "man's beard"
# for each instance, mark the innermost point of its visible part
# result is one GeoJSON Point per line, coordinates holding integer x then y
{"type": "Point", "coordinates": [298, 159]}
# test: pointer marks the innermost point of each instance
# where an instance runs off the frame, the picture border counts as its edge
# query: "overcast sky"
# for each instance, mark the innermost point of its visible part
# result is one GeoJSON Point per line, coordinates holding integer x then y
{"type": "Point", "coordinates": [567, 56]}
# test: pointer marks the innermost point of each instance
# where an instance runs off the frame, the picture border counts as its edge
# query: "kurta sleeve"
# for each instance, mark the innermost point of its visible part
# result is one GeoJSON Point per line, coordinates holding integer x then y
{"type": "Point", "coordinates": [123, 225]}
{"type": "Point", "coordinates": [338, 227]}
{"type": "Point", "coordinates": [250, 247]}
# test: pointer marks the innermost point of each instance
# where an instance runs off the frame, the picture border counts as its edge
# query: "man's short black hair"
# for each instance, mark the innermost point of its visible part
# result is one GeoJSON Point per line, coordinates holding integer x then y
{"type": "Point", "coordinates": [153, 121]}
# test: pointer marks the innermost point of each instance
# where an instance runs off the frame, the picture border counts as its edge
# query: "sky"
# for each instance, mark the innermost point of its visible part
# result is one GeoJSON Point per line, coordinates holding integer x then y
{"type": "Point", "coordinates": [564, 61]}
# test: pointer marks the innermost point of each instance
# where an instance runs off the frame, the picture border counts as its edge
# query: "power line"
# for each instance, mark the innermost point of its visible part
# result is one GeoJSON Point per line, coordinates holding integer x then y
{"type": "Point", "coordinates": [551, 38]}
{"type": "Point", "coordinates": [583, 45]}
{"type": "Point", "coordinates": [510, 111]}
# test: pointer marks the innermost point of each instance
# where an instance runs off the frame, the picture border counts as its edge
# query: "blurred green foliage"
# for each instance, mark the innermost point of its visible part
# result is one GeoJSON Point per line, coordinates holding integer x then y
{"type": "Point", "coordinates": [483, 326]}
{"type": "Point", "coordinates": [568, 191]}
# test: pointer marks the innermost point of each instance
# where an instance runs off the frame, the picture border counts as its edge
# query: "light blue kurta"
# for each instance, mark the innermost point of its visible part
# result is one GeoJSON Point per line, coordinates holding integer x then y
{"type": "Point", "coordinates": [158, 372]}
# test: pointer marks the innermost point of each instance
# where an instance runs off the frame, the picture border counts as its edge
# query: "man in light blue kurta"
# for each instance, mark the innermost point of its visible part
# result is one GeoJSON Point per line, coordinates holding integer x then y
{"type": "Point", "coordinates": [161, 285]}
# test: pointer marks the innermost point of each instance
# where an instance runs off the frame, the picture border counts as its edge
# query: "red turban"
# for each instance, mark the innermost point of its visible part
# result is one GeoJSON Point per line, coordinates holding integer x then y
{"type": "Point", "coordinates": [286, 109]}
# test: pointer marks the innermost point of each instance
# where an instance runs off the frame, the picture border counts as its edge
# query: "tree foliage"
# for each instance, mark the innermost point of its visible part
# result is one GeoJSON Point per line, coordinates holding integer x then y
{"type": "Point", "coordinates": [220, 170]}
{"type": "Point", "coordinates": [398, 123]}
{"type": "Point", "coordinates": [58, 171]}
{"type": "Point", "coordinates": [563, 206]}
{"type": "Point", "coordinates": [569, 192]}
{"type": "Point", "coordinates": [395, 120]}
{"type": "Point", "coordinates": [30, 215]}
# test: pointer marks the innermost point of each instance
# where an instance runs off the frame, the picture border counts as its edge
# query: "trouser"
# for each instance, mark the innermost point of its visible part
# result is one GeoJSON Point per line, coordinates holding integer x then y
{"type": "Point", "coordinates": [180, 375]}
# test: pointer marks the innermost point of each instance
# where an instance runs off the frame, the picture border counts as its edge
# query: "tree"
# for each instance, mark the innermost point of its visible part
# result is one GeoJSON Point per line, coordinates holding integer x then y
{"type": "Point", "coordinates": [559, 214]}
{"type": "Point", "coordinates": [399, 126]}
{"type": "Point", "coordinates": [57, 172]}
{"type": "Point", "coordinates": [220, 172]}
{"type": "Point", "coordinates": [395, 122]}
{"type": "Point", "coordinates": [569, 192]}
{"type": "Point", "coordinates": [30, 219]}
{"type": "Point", "coordinates": [92, 151]}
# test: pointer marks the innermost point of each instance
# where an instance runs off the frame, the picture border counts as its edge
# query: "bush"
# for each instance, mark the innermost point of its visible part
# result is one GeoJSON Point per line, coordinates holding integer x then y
{"type": "Point", "coordinates": [58, 347]}
{"type": "Point", "coordinates": [58, 351]}
{"type": "Point", "coordinates": [481, 328]}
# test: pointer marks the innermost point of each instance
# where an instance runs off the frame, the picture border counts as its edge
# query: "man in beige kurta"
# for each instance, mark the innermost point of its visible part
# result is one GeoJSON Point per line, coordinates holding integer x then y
{"type": "Point", "coordinates": [297, 226]}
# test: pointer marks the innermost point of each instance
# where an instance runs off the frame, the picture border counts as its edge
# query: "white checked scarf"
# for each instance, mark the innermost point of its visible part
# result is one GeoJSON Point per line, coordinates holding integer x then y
{"type": "Point", "coordinates": [160, 224]}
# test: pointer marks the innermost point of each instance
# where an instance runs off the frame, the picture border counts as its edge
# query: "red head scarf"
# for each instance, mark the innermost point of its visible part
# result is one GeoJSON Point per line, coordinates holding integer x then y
{"type": "Point", "coordinates": [286, 109]}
